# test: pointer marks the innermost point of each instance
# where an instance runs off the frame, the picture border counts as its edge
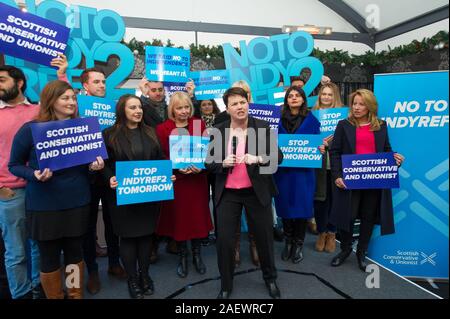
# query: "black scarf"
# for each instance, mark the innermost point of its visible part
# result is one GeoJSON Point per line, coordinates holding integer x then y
{"type": "Point", "coordinates": [291, 122]}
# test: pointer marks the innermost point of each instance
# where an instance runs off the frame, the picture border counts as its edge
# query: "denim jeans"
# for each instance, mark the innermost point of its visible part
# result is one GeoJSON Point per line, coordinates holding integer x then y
{"type": "Point", "coordinates": [13, 226]}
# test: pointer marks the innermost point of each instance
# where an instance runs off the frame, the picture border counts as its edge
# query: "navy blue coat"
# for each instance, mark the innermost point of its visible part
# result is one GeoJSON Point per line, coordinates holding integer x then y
{"type": "Point", "coordinates": [344, 142]}
{"type": "Point", "coordinates": [297, 185]}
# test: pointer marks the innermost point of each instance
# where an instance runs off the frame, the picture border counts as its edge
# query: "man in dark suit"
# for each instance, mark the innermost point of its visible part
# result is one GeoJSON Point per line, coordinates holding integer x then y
{"type": "Point", "coordinates": [244, 155]}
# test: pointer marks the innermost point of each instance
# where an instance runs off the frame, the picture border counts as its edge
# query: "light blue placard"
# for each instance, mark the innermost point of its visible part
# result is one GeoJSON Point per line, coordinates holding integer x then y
{"type": "Point", "coordinates": [167, 64]}
{"type": "Point", "coordinates": [210, 84]}
{"type": "Point", "coordinates": [370, 171]}
{"type": "Point", "coordinates": [329, 119]}
{"type": "Point", "coordinates": [269, 113]}
{"type": "Point", "coordinates": [300, 150]}
{"type": "Point", "coordinates": [415, 107]}
{"type": "Point", "coordinates": [103, 109]}
{"type": "Point", "coordinates": [188, 150]}
{"type": "Point", "coordinates": [143, 182]}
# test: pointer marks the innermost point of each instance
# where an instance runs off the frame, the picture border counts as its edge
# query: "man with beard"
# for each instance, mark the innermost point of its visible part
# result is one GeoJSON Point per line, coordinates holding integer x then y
{"type": "Point", "coordinates": [93, 81]}
{"type": "Point", "coordinates": [16, 110]}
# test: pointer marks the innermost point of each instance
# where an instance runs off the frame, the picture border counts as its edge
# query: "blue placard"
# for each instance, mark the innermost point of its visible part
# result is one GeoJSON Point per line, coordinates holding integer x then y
{"type": "Point", "coordinates": [268, 113]}
{"type": "Point", "coordinates": [415, 107]}
{"type": "Point", "coordinates": [188, 150]}
{"type": "Point", "coordinates": [29, 37]}
{"type": "Point", "coordinates": [103, 109]}
{"type": "Point", "coordinates": [143, 182]}
{"type": "Point", "coordinates": [167, 64]}
{"type": "Point", "coordinates": [329, 119]}
{"type": "Point", "coordinates": [171, 87]}
{"type": "Point", "coordinates": [370, 171]}
{"type": "Point", "coordinates": [300, 150]}
{"type": "Point", "coordinates": [210, 84]}
{"type": "Point", "coordinates": [64, 144]}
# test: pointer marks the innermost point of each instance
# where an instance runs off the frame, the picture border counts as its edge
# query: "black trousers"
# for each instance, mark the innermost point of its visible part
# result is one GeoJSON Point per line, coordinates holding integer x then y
{"type": "Point", "coordinates": [365, 206]}
{"type": "Point", "coordinates": [90, 239]}
{"type": "Point", "coordinates": [260, 223]}
{"type": "Point", "coordinates": [136, 252]}
{"type": "Point", "coordinates": [295, 229]}
{"type": "Point", "coordinates": [322, 209]}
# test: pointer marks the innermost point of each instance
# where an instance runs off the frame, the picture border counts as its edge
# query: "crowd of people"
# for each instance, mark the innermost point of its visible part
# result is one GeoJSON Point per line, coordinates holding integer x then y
{"type": "Point", "coordinates": [50, 213]}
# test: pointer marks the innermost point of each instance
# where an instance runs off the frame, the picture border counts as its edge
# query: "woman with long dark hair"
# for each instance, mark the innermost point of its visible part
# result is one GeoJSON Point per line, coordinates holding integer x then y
{"type": "Point", "coordinates": [294, 203]}
{"type": "Point", "coordinates": [57, 202]}
{"type": "Point", "coordinates": [129, 139]}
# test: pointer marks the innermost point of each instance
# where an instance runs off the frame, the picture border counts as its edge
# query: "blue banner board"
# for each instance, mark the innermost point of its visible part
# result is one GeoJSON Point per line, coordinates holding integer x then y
{"type": "Point", "coordinates": [415, 108]}
{"type": "Point", "coordinates": [103, 109]}
{"type": "Point", "coordinates": [64, 144]}
{"type": "Point", "coordinates": [167, 64]}
{"type": "Point", "coordinates": [370, 171]}
{"type": "Point", "coordinates": [268, 113]}
{"type": "Point", "coordinates": [263, 61]}
{"type": "Point", "coordinates": [188, 150]}
{"type": "Point", "coordinates": [329, 119]}
{"type": "Point", "coordinates": [210, 84]}
{"type": "Point", "coordinates": [29, 37]}
{"type": "Point", "coordinates": [143, 182]}
{"type": "Point", "coordinates": [300, 150]}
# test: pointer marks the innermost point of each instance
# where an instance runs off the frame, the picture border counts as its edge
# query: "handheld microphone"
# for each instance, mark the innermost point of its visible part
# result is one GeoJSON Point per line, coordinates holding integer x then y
{"type": "Point", "coordinates": [234, 143]}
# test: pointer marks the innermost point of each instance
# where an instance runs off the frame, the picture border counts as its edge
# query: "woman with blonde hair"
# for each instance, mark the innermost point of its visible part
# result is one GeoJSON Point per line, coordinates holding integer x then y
{"type": "Point", "coordinates": [362, 133]}
{"type": "Point", "coordinates": [329, 97]}
{"type": "Point", "coordinates": [187, 217]}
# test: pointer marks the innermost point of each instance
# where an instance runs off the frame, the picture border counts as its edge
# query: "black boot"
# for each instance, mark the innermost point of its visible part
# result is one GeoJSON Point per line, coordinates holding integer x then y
{"type": "Point", "coordinates": [288, 230]}
{"type": "Point", "coordinates": [341, 257]}
{"type": "Point", "coordinates": [146, 284]}
{"type": "Point", "coordinates": [134, 288]}
{"type": "Point", "coordinates": [361, 257]}
{"type": "Point", "coordinates": [287, 251]}
{"type": "Point", "coordinates": [182, 268]}
{"type": "Point", "coordinates": [197, 258]}
{"type": "Point", "coordinates": [297, 251]}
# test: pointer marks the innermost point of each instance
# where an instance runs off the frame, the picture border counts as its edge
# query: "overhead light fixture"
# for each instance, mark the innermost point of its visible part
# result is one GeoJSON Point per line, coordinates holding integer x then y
{"type": "Point", "coordinates": [312, 29]}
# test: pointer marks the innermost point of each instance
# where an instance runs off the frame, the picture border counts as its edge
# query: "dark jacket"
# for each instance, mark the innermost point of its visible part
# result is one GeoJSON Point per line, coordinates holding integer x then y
{"type": "Point", "coordinates": [133, 220]}
{"type": "Point", "coordinates": [344, 142]}
{"type": "Point", "coordinates": [263, 184]}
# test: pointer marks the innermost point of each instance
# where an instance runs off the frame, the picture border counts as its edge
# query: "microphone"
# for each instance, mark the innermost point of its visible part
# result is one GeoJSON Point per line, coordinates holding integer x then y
{"type": "Point", "coordinates": [234, 143]}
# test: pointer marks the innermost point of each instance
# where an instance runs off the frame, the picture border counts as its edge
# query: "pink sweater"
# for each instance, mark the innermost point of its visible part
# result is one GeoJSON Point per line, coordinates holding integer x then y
{"type": "Point", "coordinates": [11, 120]}
{"type": "Point", "coordinates": [238, 177]}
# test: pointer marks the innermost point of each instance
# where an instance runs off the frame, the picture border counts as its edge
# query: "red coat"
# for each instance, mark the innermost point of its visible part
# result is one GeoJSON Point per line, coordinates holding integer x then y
{"type": "Point", "coordinates": [187, 216]}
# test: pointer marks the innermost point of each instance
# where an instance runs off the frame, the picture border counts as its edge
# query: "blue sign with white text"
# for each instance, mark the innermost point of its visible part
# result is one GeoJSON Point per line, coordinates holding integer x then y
{"type": "Point", "coordinates": [210, 84]}
{"type": "Point", "coordinates": [300, 150]}
{"type": "Point", "coordinates": [415, 108]}
{"type": "Point", "coordinates": [188, 150]}
{"type": "Point", "coordinates": [103, 109]}
{"type": "Point", "coordinates": [268, 113]}
{"type": "Point", "coordinates": [95, 37]}
{"type": "Point", "coordinates": [329, 119]}
{"type": "Point", "coordinates": [29, 37]}
{"type": "Point", "coordinates": [69, 143]}
{"type": "Point", "coordinates": [370, 171]}
{"type": "Point", "coordinates": [143, 182]}
{"type": "Point", "coordinates": [167, 64]}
